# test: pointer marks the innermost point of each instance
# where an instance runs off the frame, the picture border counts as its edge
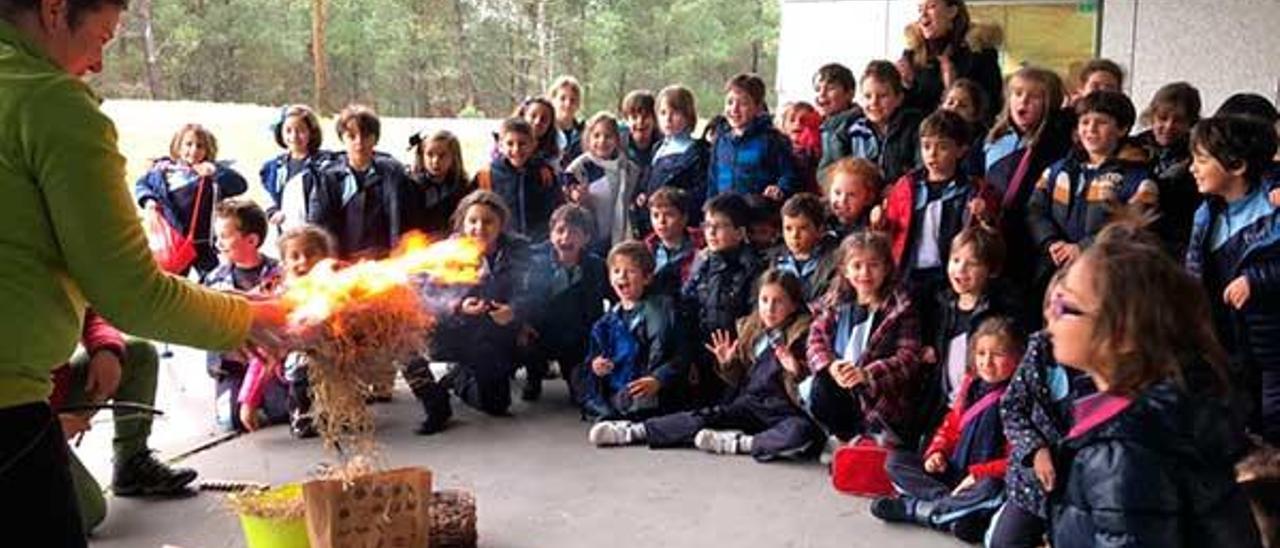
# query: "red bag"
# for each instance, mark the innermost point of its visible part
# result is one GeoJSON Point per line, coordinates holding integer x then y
{"type": "Point", "coordinates": [858, 469]}
{"type": "Point", "coordinates": [173, 251]}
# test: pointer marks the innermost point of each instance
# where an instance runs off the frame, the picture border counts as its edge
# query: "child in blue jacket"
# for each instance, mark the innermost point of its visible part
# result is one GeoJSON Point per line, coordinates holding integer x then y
{"type": "Point", "coordinates": [634, 367]}
{"type": "Point", "coordinates": [290, 178]}
{"type": "Point", "coordinates": [749, 155]}
{"type": "Point", "coordinates": [186, 185]}
{"type": "Point", "coordinates": [1235, 251]}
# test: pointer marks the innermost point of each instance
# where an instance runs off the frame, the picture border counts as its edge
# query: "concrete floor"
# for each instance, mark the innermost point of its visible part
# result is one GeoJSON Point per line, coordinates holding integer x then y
{"type": "Point", "coordinates": [537, 481]}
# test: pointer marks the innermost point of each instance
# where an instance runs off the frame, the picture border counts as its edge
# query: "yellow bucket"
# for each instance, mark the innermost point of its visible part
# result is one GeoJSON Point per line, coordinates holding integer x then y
{"type": "Point", "coordinates": [276, 533]}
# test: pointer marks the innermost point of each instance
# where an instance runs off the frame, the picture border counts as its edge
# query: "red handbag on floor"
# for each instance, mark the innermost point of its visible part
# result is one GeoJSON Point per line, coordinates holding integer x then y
{"type": "Point", "coordinates": [858, 468]}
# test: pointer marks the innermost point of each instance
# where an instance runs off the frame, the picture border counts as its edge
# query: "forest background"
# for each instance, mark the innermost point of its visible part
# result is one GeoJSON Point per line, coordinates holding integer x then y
{"type": "Point", "coordinates": [434, 58]}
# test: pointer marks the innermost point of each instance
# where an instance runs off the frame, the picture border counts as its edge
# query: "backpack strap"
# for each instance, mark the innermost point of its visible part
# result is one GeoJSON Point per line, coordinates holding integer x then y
{"type": "Point", "coordinates": [195, 209]}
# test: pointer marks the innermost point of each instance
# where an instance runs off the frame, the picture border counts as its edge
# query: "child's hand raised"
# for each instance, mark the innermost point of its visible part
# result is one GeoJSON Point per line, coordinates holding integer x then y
{"type": "Point", "coordinates": [1237, 292]}
{"type": "Point", "coordinates": [773, 192]}
{"type": "Point", "coordinates": [1063, 252]}
{"type": "Point", "coordinates": [787, 360]}
{"type": "Point", "coordinates": [936, 463]}
{"type": "Point", "coordinates": [1274, 197]}
{"type": "Point", "coordinates": [601, 366]}
{"type": "Point", "coordinates": [644, 387]}
{"type": "Point", "coordinates": [1042, 464]}
{"type": "Point", "coordinates": [722, 346]}
{"type": "Point", "coordinates": [575, 193]}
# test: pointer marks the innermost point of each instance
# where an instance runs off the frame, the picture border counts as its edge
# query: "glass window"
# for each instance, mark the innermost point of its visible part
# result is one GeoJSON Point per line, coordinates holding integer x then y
{"type": "Point", "coordinates": [1058, 35]}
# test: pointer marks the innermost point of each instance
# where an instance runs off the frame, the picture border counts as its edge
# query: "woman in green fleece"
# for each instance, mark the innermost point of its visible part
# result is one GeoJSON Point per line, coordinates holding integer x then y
{"type": "Point", "coordinates": [69, 236]}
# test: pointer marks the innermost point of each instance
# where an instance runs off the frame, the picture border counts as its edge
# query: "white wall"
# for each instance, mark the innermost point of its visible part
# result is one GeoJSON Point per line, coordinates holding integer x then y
{"type": "Point", "coordinates": [851, 32]}
{"type": "Point", "coordinates": [1221, 47]}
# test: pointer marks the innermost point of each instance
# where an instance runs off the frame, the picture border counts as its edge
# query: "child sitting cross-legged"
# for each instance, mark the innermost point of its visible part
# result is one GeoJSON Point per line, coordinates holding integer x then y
{"type": "Point", "coordinates": [959, 481]}
{"type": "Point", "coordinates": [633, 368]}
{"type": "Point", "coordinates": [864, 347]}
{"type": "Point", "coordinates": [764, 366]}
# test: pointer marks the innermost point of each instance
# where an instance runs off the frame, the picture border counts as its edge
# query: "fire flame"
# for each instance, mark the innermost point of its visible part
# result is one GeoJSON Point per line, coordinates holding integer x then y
{"type": "Point", "coordinates": [327, 288]}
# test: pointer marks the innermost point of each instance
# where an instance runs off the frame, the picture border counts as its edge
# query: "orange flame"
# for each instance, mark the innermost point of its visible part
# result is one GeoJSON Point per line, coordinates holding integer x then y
{"type": "Point", "coordinates": [326, 289]}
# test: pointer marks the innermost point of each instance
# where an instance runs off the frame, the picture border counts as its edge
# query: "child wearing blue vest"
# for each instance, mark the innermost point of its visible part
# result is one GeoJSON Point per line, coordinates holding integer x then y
{"type": "Point", "coordinates": [1235, 252]}
{"type": "Point", "coordinates": [479, 329]}
{"type": "Point", "coordinates": [240, 226]}
{"type": "Point", "coordinates": [809, 250]}
{"type": "Point", "coordinates": [958, 483]}
{"type": "Point", "coordinates": [1031, 133]}
{"type": "Point", "coordinates": [834, 89]}
{"type": "Point", "coordinates": [634, 367]}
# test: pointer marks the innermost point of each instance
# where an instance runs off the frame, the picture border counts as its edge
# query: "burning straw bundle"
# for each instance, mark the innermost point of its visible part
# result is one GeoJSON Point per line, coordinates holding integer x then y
{"type": "Point", "coordinates": [362, 319]}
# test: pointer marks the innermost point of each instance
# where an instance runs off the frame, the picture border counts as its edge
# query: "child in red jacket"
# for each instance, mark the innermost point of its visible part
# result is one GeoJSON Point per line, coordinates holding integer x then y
{"type": "Point", "coordinates": [959, 482]}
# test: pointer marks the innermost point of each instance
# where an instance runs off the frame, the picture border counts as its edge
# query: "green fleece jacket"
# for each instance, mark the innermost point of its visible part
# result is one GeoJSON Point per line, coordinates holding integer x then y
{"type": "Point", "coordinates": [70, 236]}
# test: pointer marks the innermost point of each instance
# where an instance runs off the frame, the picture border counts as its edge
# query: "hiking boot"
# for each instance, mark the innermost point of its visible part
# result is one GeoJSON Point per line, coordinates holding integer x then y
{"type": "Point", "coordinates": [970, 529]}
{"type": "Point", "coordinates": [436, 407]}
{"type": "Point", "coordinates": [435, 422]}
{"type": "Point", "coordinates": [302, 427]}
{"type": "Point", "coordinates": [143, 475]}
{"type": "Point", "coordinates": [892, 510]}
{"type": "Point", "coordinates": [719, 442]}
{"type": "Point", "coordinates": [610, 433]}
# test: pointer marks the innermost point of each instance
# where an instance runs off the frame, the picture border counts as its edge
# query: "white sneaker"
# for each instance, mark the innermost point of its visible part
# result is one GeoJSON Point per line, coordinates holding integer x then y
{"type": "Point", "coordinates": [610, 433]}
{"type": "Point", "coordinates": [720, 442]}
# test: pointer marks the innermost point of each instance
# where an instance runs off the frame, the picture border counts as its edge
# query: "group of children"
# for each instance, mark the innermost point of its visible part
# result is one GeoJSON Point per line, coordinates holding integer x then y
{"type": "Point", "coordinates": [645, 261]}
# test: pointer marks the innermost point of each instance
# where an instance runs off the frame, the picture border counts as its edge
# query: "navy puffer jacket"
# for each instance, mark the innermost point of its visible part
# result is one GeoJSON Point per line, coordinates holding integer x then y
{"type": "Point", "coordinates": [1159, 473]}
